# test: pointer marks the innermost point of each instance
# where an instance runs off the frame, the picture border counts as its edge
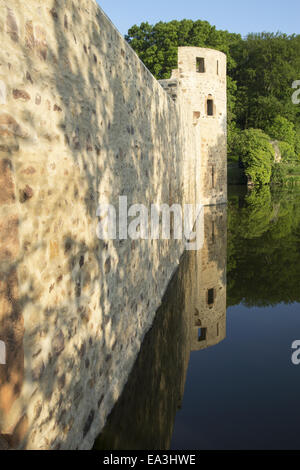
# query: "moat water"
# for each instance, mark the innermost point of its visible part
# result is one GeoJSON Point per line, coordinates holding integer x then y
{"type": "Point", "coordinates": [215, 371]}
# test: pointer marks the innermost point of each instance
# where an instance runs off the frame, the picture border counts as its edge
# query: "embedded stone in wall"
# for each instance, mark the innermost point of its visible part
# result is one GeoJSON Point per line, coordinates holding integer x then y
{"type": "Point", "coordinates": [28, 77]}
{"type": "Point", "coordinates": [57, 108]}
{"type": "Point", "coordinates": [11, 25]}
{"type": "Point", "coordinates": [54, 14]}
{"type": "Point", "coordinates": [26, 194]}
{"type": "Point", "coordinates": [41, 42]}
{"type": "Point", "coordinates": [9, 242]}
{"type": "Point", "coordinates": [58, 343]}
{"type": "Point", "coordinates": [54, 250]}
{"type": "Point", "coordinates": [9, 127]}
{"type": "Point", "coordinates": [29, 35]}
{"type": "Point", "coordinates": [21, 95]}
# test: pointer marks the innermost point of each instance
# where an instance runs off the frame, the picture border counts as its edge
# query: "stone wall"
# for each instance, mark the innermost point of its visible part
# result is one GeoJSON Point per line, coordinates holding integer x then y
{"type": "Point", "coordinates": [82, 121]}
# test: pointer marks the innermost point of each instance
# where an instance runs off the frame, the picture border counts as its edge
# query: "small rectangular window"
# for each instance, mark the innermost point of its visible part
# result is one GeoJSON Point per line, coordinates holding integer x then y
{"type": "Point", "coordinates": [202, 334]}
{"type": "Point", "coordinates": [211, 296]}
{"type": "Point", "coordinates": [217, 67]}
{"type": "Point", "coordinates": [210, 107]}
{"type": "Point", "coordinates": [200, 65]}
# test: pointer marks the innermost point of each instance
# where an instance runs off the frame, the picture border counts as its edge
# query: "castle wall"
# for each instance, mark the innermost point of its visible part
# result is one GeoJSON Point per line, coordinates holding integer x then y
{"type": "Point", "coordinates": [82, 122]}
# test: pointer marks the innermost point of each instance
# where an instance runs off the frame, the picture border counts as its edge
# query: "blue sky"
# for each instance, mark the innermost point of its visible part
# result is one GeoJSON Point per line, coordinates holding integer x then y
{"type": "Point", "coordinates": [238, 16]}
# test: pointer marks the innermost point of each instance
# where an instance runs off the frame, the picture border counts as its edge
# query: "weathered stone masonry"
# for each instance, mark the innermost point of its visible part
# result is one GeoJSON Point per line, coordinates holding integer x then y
{"type": "Point", "coordinates": [82, 121]}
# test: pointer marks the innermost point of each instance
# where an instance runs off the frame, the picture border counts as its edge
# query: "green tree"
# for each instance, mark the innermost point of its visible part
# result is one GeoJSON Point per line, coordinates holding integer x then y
{"type": "Point", "coordinates": [282, 129]}
{"type": "Point", "coordinates": [267, 65]}
{"type": "Point", "coordinates": [257, 155]}
{"type": "Point", "coordinates": [157, 45]}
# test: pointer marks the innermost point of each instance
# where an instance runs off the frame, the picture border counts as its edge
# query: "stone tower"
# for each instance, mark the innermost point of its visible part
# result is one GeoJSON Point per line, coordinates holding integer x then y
{"type": "Point", "coordinates": [199, 88]}
{"type": "Point", "coordinates": [208, 286]}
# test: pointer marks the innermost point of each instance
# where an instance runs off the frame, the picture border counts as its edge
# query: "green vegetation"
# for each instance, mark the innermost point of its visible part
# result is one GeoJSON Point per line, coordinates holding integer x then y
{"type": "Point", "coordinates": [263, 247]}
{"type": "Point", "coordinates": [261, 70]}
{"type": "Point", "coordinates": [286, 174]}
{"type": "Point", "coordinates": [257, 155]}
{"type": "Point", "coordinates": [158, 45]}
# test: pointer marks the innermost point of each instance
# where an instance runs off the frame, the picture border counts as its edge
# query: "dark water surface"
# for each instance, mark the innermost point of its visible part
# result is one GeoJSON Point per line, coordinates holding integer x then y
{"type": "Point", "coordinates": [215, 371]}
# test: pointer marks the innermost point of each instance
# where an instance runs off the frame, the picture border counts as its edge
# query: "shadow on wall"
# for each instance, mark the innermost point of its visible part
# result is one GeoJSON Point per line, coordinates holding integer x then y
{"type": "Point", "coordinates": [83, 122]}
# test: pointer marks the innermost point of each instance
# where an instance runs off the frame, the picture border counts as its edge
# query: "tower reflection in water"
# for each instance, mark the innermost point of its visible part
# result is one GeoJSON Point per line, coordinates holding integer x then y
{"type": "Point", "coordinates": [192, 317]}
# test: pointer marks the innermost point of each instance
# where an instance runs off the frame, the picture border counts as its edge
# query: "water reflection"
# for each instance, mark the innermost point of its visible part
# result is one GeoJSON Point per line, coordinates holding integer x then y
{"type": "Point", "coordinates": [263, 247]}
{"type": "Point", "coordinates": [246, 380]}
{"type": "Point", "coordinates": [192, 318]}
{"type": "Point", "coordinates": [244, 394]}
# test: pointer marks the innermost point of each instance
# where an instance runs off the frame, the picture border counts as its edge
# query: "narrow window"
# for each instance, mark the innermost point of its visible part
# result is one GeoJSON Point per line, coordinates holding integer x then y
{"type": "Point", "coordinates": [213, 183]}
{"type": "Point", "coordinates": [211, 296]}
{"type": "Point", "coordinates": [213, 232]}
{"type": "Point", "coordinates": [217, 67]}
{"type": "Point", "coordinates": [218, 331]}
{"type": "Point", "coordinates": [200, 65]}
{"type": "Point", "coordinates": [210, 107]}
{"type": "Point", "coordinates": [202, 334]}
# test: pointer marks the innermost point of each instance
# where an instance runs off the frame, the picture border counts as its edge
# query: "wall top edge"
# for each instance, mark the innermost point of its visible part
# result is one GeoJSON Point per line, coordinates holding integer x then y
{"type": "Point", "coordinates": [202, 49]}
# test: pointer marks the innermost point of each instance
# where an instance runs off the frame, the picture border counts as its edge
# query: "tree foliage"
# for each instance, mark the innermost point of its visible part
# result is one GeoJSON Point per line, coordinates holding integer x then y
{"type": "Point", "coordinates": [157, 45]}
{"type": "Point", "coordinates": [267, 65]}
{"type": "Point", "coordinates": [257, 155]}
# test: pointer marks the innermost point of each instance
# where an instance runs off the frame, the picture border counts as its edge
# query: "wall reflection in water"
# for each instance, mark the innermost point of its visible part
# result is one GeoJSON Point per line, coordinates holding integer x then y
{"type": "Point", "coordinates": [192, 317]}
